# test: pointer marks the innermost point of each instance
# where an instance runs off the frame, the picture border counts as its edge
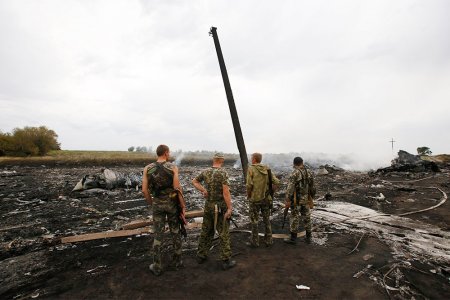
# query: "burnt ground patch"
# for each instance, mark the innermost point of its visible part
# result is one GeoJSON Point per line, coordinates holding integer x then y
{"type": "Point", "coordinates": [37, 208]}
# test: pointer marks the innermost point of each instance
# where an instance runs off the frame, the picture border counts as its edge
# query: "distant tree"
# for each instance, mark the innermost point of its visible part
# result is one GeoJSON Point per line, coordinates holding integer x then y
{"type": "Point", "coordinates": [6, 145]}
{"type": "Point", "coordinates": [131, 149]}
{"type": "Point", "coordinates": [141, 149]}
{"type": "Point", "coordinates": [29, 141]}
{"type": "Point", "coordinates": [423, 151]}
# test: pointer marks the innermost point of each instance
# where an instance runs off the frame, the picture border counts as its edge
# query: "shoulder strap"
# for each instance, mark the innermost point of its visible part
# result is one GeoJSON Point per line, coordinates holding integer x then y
{"type": "Point", "coordinates": [160, 167]}
{"type": "Point", "coordinates": [269, 173]}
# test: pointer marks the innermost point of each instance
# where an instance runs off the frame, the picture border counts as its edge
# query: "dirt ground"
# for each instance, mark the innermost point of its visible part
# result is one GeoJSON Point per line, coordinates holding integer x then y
{"type": "Point", "coordinates": [38, 208]}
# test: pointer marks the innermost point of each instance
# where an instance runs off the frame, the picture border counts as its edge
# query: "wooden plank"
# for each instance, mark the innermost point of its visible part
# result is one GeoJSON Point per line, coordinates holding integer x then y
{"type": "Point", "coordinates": [194, 225]}
{"type": "Point", "coordinates": [138, 224]}
{"type": "Point", "coordinates": [194, 214]}
{"type": "Point", "coordinates": [274, 235]}
{"type": "Point", "coordinates": [104, 235]}
{"type": "Point", "coordinates": [121, 233]}
{"type": "Point", "coordinates": [146, 222]}
{"type": "Point", "coordinates": [19, 226]}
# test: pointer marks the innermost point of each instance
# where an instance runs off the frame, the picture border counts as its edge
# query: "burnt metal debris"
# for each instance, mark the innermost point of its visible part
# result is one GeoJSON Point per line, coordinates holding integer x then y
{"type": "Point", "coordinates": [406, 162]}
{"type": "Point", "coordinates": [232, 106]}
{"type": "Point", "coordinates": [51, 237]}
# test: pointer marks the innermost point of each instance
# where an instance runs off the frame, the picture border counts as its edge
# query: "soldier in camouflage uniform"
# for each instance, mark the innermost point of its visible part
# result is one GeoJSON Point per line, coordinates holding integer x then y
{"type": "Point", "coordinates": [160, 179]}
{"type": "Point", "coordinates": [259, 198]}
{"type": "Point", "coordinates": [300, 186]}
{"type": "Point", "coordinates": [217, 211]}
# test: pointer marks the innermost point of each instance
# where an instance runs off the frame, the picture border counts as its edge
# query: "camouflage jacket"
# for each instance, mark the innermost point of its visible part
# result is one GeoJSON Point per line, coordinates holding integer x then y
{"type": "Point", "coordinates": [258, 182]}
{"type": "Point", "coordinates": [302, 180]}
{"type": "Point", "coordinates": [164, 179]}
{"type": "Point", "coordinates": [214, 179]}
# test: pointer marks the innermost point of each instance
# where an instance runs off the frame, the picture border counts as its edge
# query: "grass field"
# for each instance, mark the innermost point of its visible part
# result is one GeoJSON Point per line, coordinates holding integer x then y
{"type": "Point", "coordinates": [440, 158]}
{"type": "Point", "coordinates": [81, 157]}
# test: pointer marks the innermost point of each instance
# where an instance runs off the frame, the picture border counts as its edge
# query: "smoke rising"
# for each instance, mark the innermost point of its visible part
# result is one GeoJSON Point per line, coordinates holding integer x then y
{"type": "Point", "coordinates": [350, 162]}
{"type": "Point", "coordinates": [179, 158]}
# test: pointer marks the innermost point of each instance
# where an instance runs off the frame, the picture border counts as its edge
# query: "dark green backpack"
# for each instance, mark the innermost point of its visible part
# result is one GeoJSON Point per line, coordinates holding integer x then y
{"type": "Point", "coordinates": [161, 179]}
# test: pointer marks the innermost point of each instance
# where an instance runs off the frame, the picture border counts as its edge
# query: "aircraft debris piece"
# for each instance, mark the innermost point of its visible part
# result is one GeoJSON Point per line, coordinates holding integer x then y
{"type": "Point", "coordinates": [406, 162]}
{"type": "Point", "coordinates": [302, 287]}
{"type": "Point", "coordinates": [108, 179]}
{"type": "Point", "coordinates": [322, 171]}
{"type": "Point", "coordinates": [96, 268]}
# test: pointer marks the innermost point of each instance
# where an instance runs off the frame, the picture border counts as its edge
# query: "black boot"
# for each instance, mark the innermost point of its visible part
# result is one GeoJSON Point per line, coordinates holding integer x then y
{"type": "Point", "coordinates": [228, 264]}
{"type": "Point", "coordinates": [177, 263]}
{"type": "Point", "coordinates": [308, 237]}
{"type": "Point", "coordinates": [156, 271]}
{"type": "Point", "coordinates": [292, 240]}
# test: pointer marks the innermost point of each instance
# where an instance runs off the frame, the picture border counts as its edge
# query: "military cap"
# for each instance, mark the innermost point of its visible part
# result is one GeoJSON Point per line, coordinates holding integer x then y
{"type": "Point", "coordinates": [218, 155]}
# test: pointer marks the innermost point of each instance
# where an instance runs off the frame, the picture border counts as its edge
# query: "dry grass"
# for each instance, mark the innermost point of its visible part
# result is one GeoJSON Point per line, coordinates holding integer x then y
{"type": "Point", "coordinates": [78, 157]}
{"type": "Point", "coordinates": [440, 158]}
{"type": "Point", "coordinates": [75, 157]}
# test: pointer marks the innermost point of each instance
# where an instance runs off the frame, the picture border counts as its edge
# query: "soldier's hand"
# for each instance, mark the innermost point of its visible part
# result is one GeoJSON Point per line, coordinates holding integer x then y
{"type": "Point", "coordinates": [228, 214]}
{"type": "Point", "coordinates": [287, 204]}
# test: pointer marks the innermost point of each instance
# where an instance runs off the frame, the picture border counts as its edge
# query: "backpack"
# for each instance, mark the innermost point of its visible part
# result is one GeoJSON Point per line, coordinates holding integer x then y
{"type": "Point", "coordinates": [160, 179]}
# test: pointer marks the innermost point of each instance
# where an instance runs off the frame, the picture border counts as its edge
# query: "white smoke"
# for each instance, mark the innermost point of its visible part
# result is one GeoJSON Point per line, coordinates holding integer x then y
{"type": "Point", "coordinates": [353, 162]}
{"type": "Point", "coordinates": [237, 164]}
{"type": "Point", "coordinates": [179, 158]}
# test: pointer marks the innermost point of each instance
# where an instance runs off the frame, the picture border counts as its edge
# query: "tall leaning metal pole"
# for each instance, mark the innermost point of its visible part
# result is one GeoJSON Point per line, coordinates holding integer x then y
{"type": "Point", "coordinates": [232, 106]}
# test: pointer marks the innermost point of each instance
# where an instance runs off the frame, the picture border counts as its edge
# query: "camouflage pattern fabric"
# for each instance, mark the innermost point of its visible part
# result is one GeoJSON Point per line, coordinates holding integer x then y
{"type": "Point", "coordinates": [305, 213]}
{"type": "Point", "coordinates": [160, 179]}
{"type": "Point", "coordinates": [162, 207]}
{"type": "Point", "coordinates": [161, 185]}
{"type": "Point", "coordinates": [255, 209]}
{"type": "Point", "coordinates": [207, 235]}
{"type": "Point", "coordinates": [214, 179]}
{"type": "Point", "coordinates": [258, 182]}
{"type": "Point", "coordinates": [297, 180]}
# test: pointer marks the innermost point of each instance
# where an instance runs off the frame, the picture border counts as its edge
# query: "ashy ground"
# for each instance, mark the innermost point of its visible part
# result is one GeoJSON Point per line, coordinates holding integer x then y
{"type": "Point", "coordinates": [362, 247]}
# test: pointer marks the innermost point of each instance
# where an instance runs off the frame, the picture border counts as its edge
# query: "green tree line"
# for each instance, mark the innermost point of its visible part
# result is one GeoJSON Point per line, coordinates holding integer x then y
{"type": "Point", "coordinates": [28, 141]}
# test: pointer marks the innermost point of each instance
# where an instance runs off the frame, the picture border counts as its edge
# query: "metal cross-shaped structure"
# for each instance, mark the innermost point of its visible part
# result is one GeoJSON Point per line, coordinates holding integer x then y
{"type": "Point", "coordinates": [392, 142]}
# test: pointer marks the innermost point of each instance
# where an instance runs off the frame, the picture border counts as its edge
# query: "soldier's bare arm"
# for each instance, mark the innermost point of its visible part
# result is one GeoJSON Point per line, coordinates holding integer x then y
{"type": "Point", "coordinates": [147, 195]}
{"type": "Point", "coordinates": [200, 187]}
{"type": "Point", "coordinates": [176, 179]}
{"type": "Point", "coordinates": [227, 198]}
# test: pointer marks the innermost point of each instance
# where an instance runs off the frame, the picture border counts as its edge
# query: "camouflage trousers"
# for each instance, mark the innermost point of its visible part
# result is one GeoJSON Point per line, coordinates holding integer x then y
{"type": "Point", "coordinates": [255, 209]}
{"type": "Point", "coordinates": [162, 208]}
{"type": "Point", "coordinates": [207, 235]}
{"type": "Point", "coordinates": [305, 212]}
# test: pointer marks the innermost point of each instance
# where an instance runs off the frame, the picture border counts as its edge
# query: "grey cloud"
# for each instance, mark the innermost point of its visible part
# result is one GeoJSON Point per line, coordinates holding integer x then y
{"type": "Point", "coordinates": [341, 77]}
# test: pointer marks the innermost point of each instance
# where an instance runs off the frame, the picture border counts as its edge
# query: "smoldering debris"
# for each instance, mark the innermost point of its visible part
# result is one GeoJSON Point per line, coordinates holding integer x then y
{"type": "Point", "coordinates": [39, 214]}
{"type": "Point", "coordinates": [109, 179]}
{"type": "Point", "coordinates": [406, 162]}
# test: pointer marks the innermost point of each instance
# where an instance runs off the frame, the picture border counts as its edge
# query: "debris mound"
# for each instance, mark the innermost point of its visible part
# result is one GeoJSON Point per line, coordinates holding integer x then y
{"type": "Point", "coordinates": [407, 162]}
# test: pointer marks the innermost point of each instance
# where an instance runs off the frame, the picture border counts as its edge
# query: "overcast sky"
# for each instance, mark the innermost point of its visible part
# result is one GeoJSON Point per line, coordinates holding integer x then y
{"type": "Point", "coordinates": [307, 76]}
